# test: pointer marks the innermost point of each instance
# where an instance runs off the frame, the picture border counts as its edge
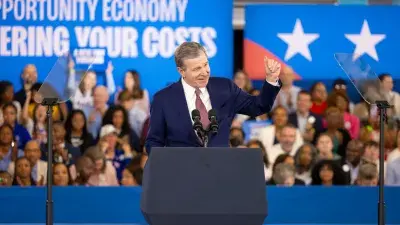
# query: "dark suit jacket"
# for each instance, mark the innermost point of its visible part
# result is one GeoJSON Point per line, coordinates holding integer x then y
{"type": "Point", "coordinates": [171, 124]}
{"type": "Point", "coordinates": [318, 126]}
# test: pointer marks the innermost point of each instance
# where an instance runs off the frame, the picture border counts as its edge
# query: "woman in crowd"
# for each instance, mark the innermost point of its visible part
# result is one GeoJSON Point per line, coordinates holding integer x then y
{"type": "Point", "coordinates": [104, 172]}
{"type": "Point", "coordinates": [7, 96]}
{"type": "Point", "coordinates": [132, 85]}
{"type": "Point", "coordinates": [267, 167]}
{"type": "Point", "coordinates": [9, 151]}
{"type": "Point", "coordinates": [22, 174]}
{"type": "Point", "coordinates": [328, 173]}
{"type": "Point", "coordinates": [305, 159]}
{"type": "Point", "coordinates": [325, 148]}
{"type": "Point", "coordinates": [319, 97]}
{"type": "Point", "coordinates": [20, 133]}
{"type": "Point", "coordinates": [76, 131]}
{"type": "Point", "coordinates": [61, 175]}
{"type": "Point", "coordinates": [132, 175]}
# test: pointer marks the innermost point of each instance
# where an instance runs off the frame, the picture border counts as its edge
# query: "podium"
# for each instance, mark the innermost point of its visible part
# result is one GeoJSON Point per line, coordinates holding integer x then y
{"type": "Point", "coordinates": [199, 186]}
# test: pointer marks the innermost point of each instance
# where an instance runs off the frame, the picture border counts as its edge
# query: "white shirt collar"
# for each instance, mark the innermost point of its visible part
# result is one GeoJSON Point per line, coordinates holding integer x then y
{"type": "Point", "coordinates": [189, 89]}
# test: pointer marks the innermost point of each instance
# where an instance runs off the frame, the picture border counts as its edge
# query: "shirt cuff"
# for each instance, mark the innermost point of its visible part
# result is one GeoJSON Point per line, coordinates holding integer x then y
{"type": "Point", "coordinates": [276, 83]}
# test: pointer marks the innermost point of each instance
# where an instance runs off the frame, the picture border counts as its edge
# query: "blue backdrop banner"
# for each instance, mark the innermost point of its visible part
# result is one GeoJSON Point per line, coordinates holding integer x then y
{"type": "Point", "coordinates": [133, 34]}
{"type": "Point", "coordinates": [306, 37]}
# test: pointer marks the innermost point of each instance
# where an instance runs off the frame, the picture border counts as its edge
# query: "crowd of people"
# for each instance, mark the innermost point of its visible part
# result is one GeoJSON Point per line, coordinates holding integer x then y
{"type": "Point", "coordinates": [311, 137]}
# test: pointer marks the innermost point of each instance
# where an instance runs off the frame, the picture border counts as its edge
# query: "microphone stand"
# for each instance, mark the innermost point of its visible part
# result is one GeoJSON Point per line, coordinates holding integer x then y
{"type": "Point", "coordinates": [49, 102]}
{"type": "Point", "coordinates": [382, 106]}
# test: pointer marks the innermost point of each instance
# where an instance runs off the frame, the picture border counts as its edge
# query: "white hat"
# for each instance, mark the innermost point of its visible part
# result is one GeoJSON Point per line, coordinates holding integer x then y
{"type": "Point", "coordinates": [107, 129]}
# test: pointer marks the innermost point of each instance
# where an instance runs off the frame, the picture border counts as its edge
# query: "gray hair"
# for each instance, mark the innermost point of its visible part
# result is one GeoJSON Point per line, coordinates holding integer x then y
{"type": "Point", "coordinates": [282, 172]}
{"type": "Point", "coordinates": [187, 50]}
{"type": "Point", "coordinates": [367, 171]}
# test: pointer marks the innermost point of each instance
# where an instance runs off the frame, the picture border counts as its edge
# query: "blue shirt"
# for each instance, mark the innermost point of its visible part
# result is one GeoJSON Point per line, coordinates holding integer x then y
{"type": "Point", "coordinates": [120, 161]}
{"type": "Point", "coordinates": [21, 135]}
{"type": "Point", "coordinates": [5, 162]}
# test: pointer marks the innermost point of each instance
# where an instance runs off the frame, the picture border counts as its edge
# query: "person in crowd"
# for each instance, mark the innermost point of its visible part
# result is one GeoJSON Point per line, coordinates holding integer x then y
{"type": "Point", "coordinates": [132, 87]}
{"type": "Point", "coordinates": [367, 175]}
{"type": "Point", "coordinates": [9, 151]}
{"type": "Point", "coordinates": [236, 137]}
{"type": "Point", "coordinates": [76, 131]}
{"type": "Point", "coordinates": [7, 96]}
{"type": "Point", "coordinates": [136, 115]}
{"type": "Point", "coordinates": [305, 159]}
{"type": "Point", "coordinates": [22, 174]}
{"type": "Point", "coordinates": [395, 153]}
{"type": "Point", "coordinates": [371, 154]}
{"type": "Point", "coordinates": [242, 80]}
{"type": "Point", "coordinates": [29, 77]}
{"type": "Point", "coordinates": [328, 173]}
{"type": "Point", "coordinates": [283, 158]}
{"type": "Point", "coordinates": [61, 175]}
{"type": "Point", "coordinates": [5, 179]}
{"type": "Point", "coordinates": [340, 86]}
{"type": "Point", "coordinates": [104, 173]}
{"type": "Point", "coordinates": [325, 148]}
{"type": "Point", "coordinates": [118, 117]}
{"type": "Point", "coordinates": [267, 165]}
{"type": "Point", "coordinates": [342, 102]}
{"type": "Point", "coordinates": [63, 152]}
{"type": "Point", "coordinates": [108, 144]}
{"type": "Point", "coordinates": [288, 94]}
{"type": "Point", "coordinates": [319, 96]}
{"type": "Point", "coordinates": [82, 170]}
{"type": "Point", "coordinates": [354, 152]}
{"type": "Point", "coordinates": [287, 143]}
{"type": "Point", "coordinates": [308, 123]}
{"type": "Point", "coordinates": [335, 129]}
{"type": "Point", "coordinates": [269, 135]}
{"type": "Point", "coordinates": [38, 167]}
{"type": "Point", "coordinates": [96, 112]}
{"type": "Point", "coordinates": [283, 175]}
{"type": "Point", "coordinates": [82, 90]}
{"type": "Point", "coordinates": [132, 175]}
{"type": "Point", "coordinates": [386, 89]}
{"type": "Point", "coordinates": [36, 125]}
{"type": "Point", "coordinates": [21, 135]}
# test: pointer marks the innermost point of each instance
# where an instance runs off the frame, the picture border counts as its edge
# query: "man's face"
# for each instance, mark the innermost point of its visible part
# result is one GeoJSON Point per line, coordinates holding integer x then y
{"type": "Point", "coordinates": [100, 96]}
{"type": "Point", "coordinates": [353, 152]}
{"type": "Point", "coordinates": [32, 152]}
{"type": "Point", "coordinates": [287, 138]}
{"type": "Point", "coordinates": [304, 103]}
{"type": "Point", "coordinates": [387, 83]}
{"type": "Point", "coordinates": [196, 71]}
{"type": "Point", "coordinates": [29, 75]}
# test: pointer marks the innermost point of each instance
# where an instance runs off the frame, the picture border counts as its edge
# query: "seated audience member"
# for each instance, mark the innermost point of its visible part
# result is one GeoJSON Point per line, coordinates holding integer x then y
{"type": "Point", "coordinates": [288, 94]}
{"type": "Point", "coordinates": [354, 152]}
{"type": "Point", "coordinates": [20, 133]}
{"type": "Point", "coordinates": [286, 145]}
{"type": "Point", "coordinates": [269, 135]}
{"type": "Point", "coordinates": [267, 166]}
{"type": "Point", "coordinates": [22, 173]}
{"type": "Point", "coordinates": [328, 173]}
{"type": "Point", "coordinates": [305, 160]}
{"type": "Point", "coordinates": [76, 131]}
{"type": "Point", "coordinates": [61, 176]}
{"type": "Point", "coordinates": [132, 175]}
{"type": "Point", "coordinates": [81, 90]}
{"type": "Point", "coordinates": [307, 122]}
{"type": "Point", "coordinates": [39, 167]}
{"type": "Point", "coordinates": [104, 173]}
{"type": "Point", "coordinates": [82, 170]}
{"type": "Point", "coordinates": [63, 152]}
{"type": "Point", "coordinates": [6, 96]}
{"type": "Point", "coordinates": [132, 87]}
{"type": "Point", "coordinates": [236, 137]}
{"type": "Point", "coordinates": [118, 117]}
{"type": "Point", "coordinates": [367, 175]}
{"type": "Point", "coordinates": [5, 179]}
{"type": "Point", "coordinates": [334, 128]}
{"type": "Point", "coordinates": [325, 148]}
{"type": "Point", "coordinates": [319, 96]}
{"type": "Point", "coordinates": [8, 149]}
{"type": "Point", "coordinates": [108, 143]}
{"type": "Point", "coordinates": [96, 112]}
{"type": "Point", "coordinates": [342, 102]}
{"type": "Point", "coordinates": [283, 175]}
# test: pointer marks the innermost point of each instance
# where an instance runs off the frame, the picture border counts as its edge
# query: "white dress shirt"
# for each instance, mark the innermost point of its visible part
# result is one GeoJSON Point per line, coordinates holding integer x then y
{"type": "Point", "coordinates": [190, 96]}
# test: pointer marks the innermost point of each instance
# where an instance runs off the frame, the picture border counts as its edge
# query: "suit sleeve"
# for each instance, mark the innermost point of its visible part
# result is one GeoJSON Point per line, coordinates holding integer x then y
{"type": "Point", "coordinates": [247, 104]}
{"type": "Point", "coordinates": [156, 133]}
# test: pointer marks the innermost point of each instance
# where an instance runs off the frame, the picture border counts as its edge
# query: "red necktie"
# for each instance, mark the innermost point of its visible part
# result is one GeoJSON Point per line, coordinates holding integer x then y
{"type": "Point", "coordinates": [202, 108]}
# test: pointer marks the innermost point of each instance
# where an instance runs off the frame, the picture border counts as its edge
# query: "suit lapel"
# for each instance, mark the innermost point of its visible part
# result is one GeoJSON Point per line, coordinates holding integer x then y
{"type": "Point", "coordinates": [183, 111]}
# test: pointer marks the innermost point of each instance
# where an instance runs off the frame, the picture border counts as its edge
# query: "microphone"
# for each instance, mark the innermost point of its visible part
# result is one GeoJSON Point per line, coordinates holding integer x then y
{"type": "Point", "coordinates": [197, 126]}
{"type": "Point", "coordinates": [212, 116]}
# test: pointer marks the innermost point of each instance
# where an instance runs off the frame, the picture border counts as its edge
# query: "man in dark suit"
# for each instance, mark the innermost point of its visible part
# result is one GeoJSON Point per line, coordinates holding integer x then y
{"type": "Point", "coordinates": [170, 118]}
{"type": "Point", "coordinates": [308, 123]}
